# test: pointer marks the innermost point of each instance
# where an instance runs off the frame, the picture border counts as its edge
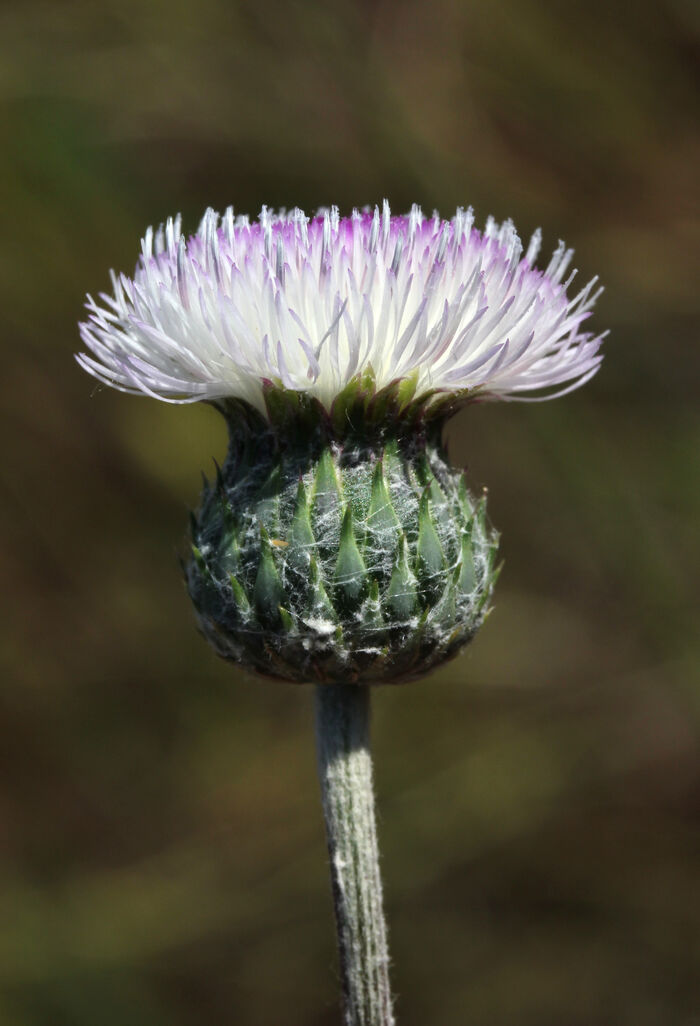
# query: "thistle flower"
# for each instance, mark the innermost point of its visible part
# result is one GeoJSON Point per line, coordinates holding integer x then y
{"type": "Point", "coordinates": [337, 544]}
{"type": "Point", "coordinates": [309, 304]}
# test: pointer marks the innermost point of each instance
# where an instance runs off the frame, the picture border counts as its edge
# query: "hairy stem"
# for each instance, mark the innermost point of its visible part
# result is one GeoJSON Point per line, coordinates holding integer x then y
{"type": "Point", "coordinates": [345, 772]}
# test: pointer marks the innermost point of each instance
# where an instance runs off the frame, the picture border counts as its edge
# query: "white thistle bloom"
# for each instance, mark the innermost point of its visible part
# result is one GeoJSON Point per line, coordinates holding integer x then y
{"type": "Point", "coordinates": [310, 304]}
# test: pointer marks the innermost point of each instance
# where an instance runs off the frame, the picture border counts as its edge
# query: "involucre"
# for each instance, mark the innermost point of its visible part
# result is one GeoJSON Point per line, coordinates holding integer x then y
{"type": "Point", "coordinates": [339, 548]}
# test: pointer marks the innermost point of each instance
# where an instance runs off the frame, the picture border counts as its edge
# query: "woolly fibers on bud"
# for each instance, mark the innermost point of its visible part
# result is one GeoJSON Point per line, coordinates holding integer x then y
{"type": "Point", "coordinates": [339, 558]}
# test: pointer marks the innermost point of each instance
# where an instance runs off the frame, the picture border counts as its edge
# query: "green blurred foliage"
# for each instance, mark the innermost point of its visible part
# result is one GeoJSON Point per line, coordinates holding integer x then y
{"type": "Point", "coordinates": [161, 847]}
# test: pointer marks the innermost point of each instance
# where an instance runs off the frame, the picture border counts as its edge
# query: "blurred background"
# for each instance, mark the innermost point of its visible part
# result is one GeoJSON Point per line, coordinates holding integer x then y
{"type": "Point", "coordinates": [162, 857]}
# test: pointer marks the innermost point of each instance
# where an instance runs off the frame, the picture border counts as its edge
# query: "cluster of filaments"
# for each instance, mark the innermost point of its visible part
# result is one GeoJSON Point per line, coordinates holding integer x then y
{"type": "Point", "coordinates": [309, 304]}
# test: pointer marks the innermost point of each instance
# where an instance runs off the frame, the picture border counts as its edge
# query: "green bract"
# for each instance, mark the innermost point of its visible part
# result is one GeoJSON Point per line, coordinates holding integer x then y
{"type": "Point", "coordinates": [339, 548]}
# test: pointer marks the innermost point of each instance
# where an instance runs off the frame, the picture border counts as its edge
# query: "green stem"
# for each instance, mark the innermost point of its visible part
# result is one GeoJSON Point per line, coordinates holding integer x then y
{"type": "Point", "coordinates": [345, 772]}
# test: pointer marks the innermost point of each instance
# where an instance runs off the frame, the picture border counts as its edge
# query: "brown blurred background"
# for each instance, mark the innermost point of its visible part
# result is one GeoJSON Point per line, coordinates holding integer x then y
{"type": "Point", "coordinates": [162, 860]}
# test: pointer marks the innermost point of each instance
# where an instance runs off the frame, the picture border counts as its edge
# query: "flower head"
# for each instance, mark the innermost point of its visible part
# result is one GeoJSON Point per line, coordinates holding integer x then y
{"type": "Point", "coordinates": [338, 544]}
{"type": "Point", "coordinates": [311, 304]}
